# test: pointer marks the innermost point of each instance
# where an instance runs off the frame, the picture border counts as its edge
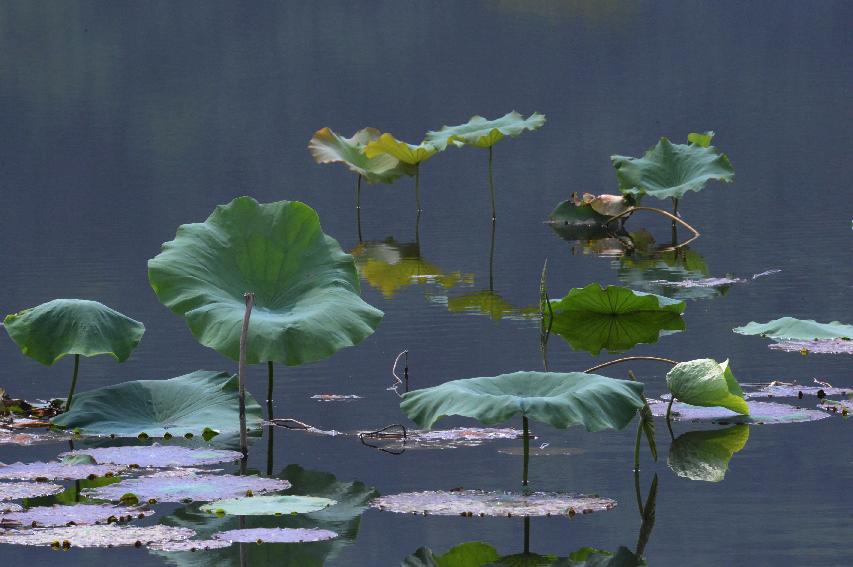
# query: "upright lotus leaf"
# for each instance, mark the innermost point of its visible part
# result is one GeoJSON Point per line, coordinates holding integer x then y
{"type": "Point", "coordinates": [614, 318]}
{"type": "Point", "coordinates": [328, 147]}
{"type": "Point", "coordinates": [483, 133]}
{"type": "Point", "coordinates": [387, 144]}
{"type": "Point", "coordinates": [707, 383]}
{"type": "Point", "coordinates": [188, 404]}
{"type": "Point", "coordinates": [558, 399]}
{"type": "Point", "coordinates": [670, 170]}
{"type": "Point", "coordinates": [790, 328]}
{"type": "Point", "coordinates": [307, 303]}
{"type": "Point", "coordinates": [705, 455]}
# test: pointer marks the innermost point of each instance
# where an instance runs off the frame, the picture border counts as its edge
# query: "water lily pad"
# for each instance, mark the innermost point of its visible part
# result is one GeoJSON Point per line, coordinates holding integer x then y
{"type": "Point", "coordinates": [441, 438]}
{"type": "Point", "coordinates": [480, 503]}
{"type": "Point", "coordinates": [188, 404]}
{"type": "Point", "coordinates": [782, 390]}
{"type": "Point", "coordinates": [95, 536]}
{"type": "Point", "coordinates": [18, 490]}
{"type": "Point", "coordinates": [80, 514]}
{"type": "Point", "coordinates": [837, 407]}
{"type": "Point", "coordinates": [760, 413]}
{"type": "Point", "coordinates": [157, 456]}
{"type": "Point", "coordinates": [818, 346]}
{"type": "Point", "coordinates": [199, 487]}
{"type": "Point", "coordinates": [16, 437]}
{"type": "Point", "coordinates": [55, 471]}
{"type": "Point", "coordinates": [275, 535]}
{"type": "Point", "coordinates": [484, 133]}
{"type": "Point", "coordinates": [792, 329]}
{"type": "Point", "coordinates": [9, 507]}
{"type": "Point", "coordinates": [268, 505]}
{"type": "Point", "coordinates": [705, 455]}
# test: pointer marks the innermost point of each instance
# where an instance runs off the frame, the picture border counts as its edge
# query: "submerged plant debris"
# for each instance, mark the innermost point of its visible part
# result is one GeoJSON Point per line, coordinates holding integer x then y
{"type": "Point", "coordinates": [275, 535]}
{"type": "Point", "coordinates": [760, 413]}
{"type": "Point", "coordinates": [480, 503]}
{"type": "Point", "coordinates": [80, 514]}
{"type": "Point", "coordinates": [198, 487]}
{"type": "Point", "coordinates": [56, 471]}
{"type": "Point", "coordinates": [160, 456]}
{"type": "Point", "coordinates": [268, 505]}
{"type": "Point", "coordinates": [95, 536]}
{"type": "Point", "coordinates": [17, 490]}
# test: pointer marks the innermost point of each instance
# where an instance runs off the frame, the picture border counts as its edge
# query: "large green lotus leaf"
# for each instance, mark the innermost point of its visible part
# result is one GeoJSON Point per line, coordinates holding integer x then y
{"type": "Point", "coordinates": [484, 133]}
{"type": "Point", "coordinates": [307, 303]}
{"type": "Point", "coordinates": [706, 383]}
{"type": "Point", "coordinates": [559, 399]}
{"type": "Point", "coordinates": [60, 327]}
{"type": "Point", "coordinates": [268, 505]}
{"type": "Point", "coordinates": [789, 328]}
{"type": "Point", "coordinates": [671, 170]}
{"type": "Point", "coordinates": [179, 406]}
{"type": "Point", "coordinates": [387, 144]}
{"type": "Point", "coordinates": [705, 455]}
{"type": "Point", "coordinates": [614, 318]}
{"type": "Point", "coordinates": [328, 147]}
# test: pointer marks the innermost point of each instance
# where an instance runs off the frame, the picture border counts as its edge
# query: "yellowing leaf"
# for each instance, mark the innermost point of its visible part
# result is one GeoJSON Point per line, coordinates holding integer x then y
{"type": "Point", "coordinates": [406, 153]}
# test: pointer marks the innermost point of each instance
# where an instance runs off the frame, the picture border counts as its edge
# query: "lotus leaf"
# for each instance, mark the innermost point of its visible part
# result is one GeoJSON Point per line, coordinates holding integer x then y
{"type": "Point", "coordinates": [9, 507]}
{"type": "Point", "coordinates": [178, 406]}
{"type": "Point", "coordinates": [157, 456]}
{"type": "Point", "coordinates": [782, 390]}
{"type": "Point", "coordinates": [268, 505]}
{"type": "Point", "coordinates": [55, 471]}
{"type": "Point", "coordinates": [705, 455]}
{"type": "Point", "coordinates": [705, 382]}
{"type": "Point", "coordinates": [789, 328]}
{"type": "Point", "coordinates": [573, 221]}
{"type": "Point", "coordinates": [328, 147]}
{"type": "Point", "coordinates": [275, 535]}
{"type": "Point", "coordinates": [306, 288]}
{"type": "Point", "coordinates": [198, 487]}
{"type": "Point", "coordinates": [670, 170]}
{"type": "Point", "coordinates": [61, 327]}
{"type": "Point", "coordinates": [80, 514]}
{"type": "Point", "coordinates": [96, 536]}
{"type": "Point", "coordinates": [479, 503]}
{"type": "Point", "coordinates": [484, 133]}
{"type": "Point", "coordinates": [614, 318]}
{"type": "Point", "coordinates": [703, 139]}
{"type": "Point", "coordinates": [818, 346]}
{"type": "Point", "coordinates": [18, 490]}
{"type": "Point", "coordinates": [760, 413]}
{"type": "Point", "coordinates": [189, 545]}
{"type": "Point", "coordinates": [406, 153]}
{"type": "Point", "coordinates": [470, 554]}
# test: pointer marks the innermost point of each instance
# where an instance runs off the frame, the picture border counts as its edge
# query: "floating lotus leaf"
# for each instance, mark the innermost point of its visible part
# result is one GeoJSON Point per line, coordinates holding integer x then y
{"type": "Point", "coordinates": [705, 382]}
{"type": "Point", "coordinates": [789, 328]}
{"type": "Point", "coordinates": [705, 455]}
{"type": "Point", "coordinates": [819, 346]}
{"type": "Point", "coordinates": [61, 327]}
{"type": "Point", "coordinates": [671, 170]}
{"type": "Point", "coordinates": [198, 487]}
{"type": "Point", "coordinates": [441, 438]}
{"type": "Point", "coordinates": [157, 456]}
{"type": "Point", "coordinates": [96, 536]}
{"type": "Point", "coordinates": [406, 153]}
{"type": "Point", "coordinates": [306, 288]}
{"type": "Point", "coordinates": [779, 390]}
{"type": "Point", "coordinates": [80, 514]}
{"type": "Point", "coordinates": [275, 535]}
{"type": "Point", "coordinates": [484, 133]}
{"type": "Point", "coordinates": [55, 471]}
{"type": "Point", "coordinates": [573, 221]}
{"type": "Point", "coordinates": [9, 507]}
{"type": "Point", "coordinates": [489, 303]}
{"type": "Point", "coordinates": [614, 318]}
{"type": "Point", "coordinates": [328, 147]}
{"type": "Point", "coordinates": [268, 505]}
{"type": "Point", "coordinates": [15, 437]}
{"type": "Point", "coordinates": [480, 503]}
{"type": "Point", "coordinates": [760, 413]}
{"type": "Point", "coordinates": [189, 545]}
{"type": "Point", "coordinates": [18, 490]}
{"type": "Point", "coordinates": [559, 399]}
{"type": "Point", "coordinates": [188, 404]}
{"type": "Point", "coordinates": [703, 139]}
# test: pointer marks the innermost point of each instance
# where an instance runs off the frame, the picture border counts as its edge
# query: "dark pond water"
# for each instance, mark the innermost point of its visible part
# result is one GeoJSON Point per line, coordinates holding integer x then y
{"type": "Point", "coordinates": [121, 122]}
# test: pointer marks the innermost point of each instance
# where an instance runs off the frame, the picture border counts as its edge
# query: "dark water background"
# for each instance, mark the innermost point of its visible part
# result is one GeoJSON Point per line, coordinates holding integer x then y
{"type": "Point", "coordinates": [121, 121]}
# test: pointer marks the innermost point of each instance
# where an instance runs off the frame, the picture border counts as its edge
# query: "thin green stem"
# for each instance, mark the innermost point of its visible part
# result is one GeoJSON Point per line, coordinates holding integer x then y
{"type": "Point", "coordinates": [270, 429]}
{"type": "Point", "coordinates": [492, 184]}
{"type": "Point", "coordinates": [527, 535]}
{"type": "Point", "coordinates": [669, 416]}
{"type": "Point", "coordinates": [73, 382]}
{"type": "Point", "coordinates": [637, 492]}
{"type": "Point", "coordinates": [418, 186]}
{"type": "Point", "coordinates": [241, 373]}
{"type": "Point", "coordinates": [526, 428]}
{"type": "Point", "coordinates": [637, 445]}
{"type": "Point", "coordinates": [630, 358]}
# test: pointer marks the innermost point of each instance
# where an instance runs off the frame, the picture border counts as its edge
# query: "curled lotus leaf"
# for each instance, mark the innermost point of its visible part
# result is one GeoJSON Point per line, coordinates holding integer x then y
{"type": "Point", "coordinates": [670, 170]}
{"type": "Point", "coordinates": [760, 413]}
{"type": "Point", "coordinates": [188, 404]}
{"type": "Point", "coordinates": [55, 471]}
{"type": "Point", "coordinates": [198, 487]}
{"type": "Point", "coordinates": [328, 147]}
{"type": "Point", "coordinates": [275, 535]}
{"type": "Point", "coordinates": [481, 503]}
{"type": "Point", "coordinates": [819, 346]}
{"type": "Point", "coordinates": [158, 456]}
{"type": "Point", "coordinates": [387, 144]}
{"type": "Point", "coordinates": [705, 382]}
{"type": "Point", "coordinates": [61, 327]}
{"type": "Point", "coordinates": [702, 139]}
{"type": "Point", "coordinates": [268, 505]}
{"type": "Point", "coordinates": [307, 303]}
{"type": "Point", "coordinates": [80, 514]}
{"type": "Point", "coordinates": [792, 329]}
{"type": "Point", "coordinates": [558, 399]}
{"type": "Point", "coordinates": [96, 536]}
{"type": "Point", "coordinates": [705, 455]}
{"type": "Point", "coordinates": [484, 133]}
{"type": "Point", "coordinates": [18, 490]}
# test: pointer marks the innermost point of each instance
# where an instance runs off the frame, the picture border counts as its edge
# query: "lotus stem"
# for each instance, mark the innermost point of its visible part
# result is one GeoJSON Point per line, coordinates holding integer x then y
{"type": "Point", "coordinates": [637, 449]}
{"type": "Point", "coordinates": [669, 416]}
{"type": "Point", "coordinates": [527, 535]}
{"type": "Point", "coordinates": [675, 206]}
{"type": "Point", "coordinates": [418, 186]}
{"type": "Point", "coordinates": [241, 372]}
{"type": "Point", "coordinates": [270, 430]}
{"type": "Point", "coordinates": [670, 216]}
{"type": "Point", "coordinates": [492, 184]}
{"type": "Point", "coordinates": [492, 260]}
{"type": "Point", "coordinates": [630, 358]}
{"type": "Point", "coordinates": [73, 382]}
{"type": "Point", "coordinates": [526, 428]}
{"type": "Point", "coordinates": [637, 492]}
{"type": "Point", "coordinates": [269, 381]}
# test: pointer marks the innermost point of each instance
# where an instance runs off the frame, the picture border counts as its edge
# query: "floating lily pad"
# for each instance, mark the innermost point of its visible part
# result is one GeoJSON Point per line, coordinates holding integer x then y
{"type": "Point", "coordinates": [275, 535]}
{"type": "Point", "coordinates": [790, 328]}
{"type": "Point", "coordinates": [95, 536]}
{"type": "Point", "coordinates": [17, 490]}
{"type": "Point", "coordinates": [268, 505]}
{"type": "Point", "coordinates": [760, 413]}
{"type": "Point", "coordinates": [201, 487]}
{"type": "Point", "coordinates": [31, 437]}
{"type": "Point", "coordinates": [9, 507]}
{"type": "Point", "coordinates": [779, 390]}
{"type": "Point", "coordinates": [705, 455]}
{"type": "Point", "coordinates": [190, 545]}
{"type": "Point", "coordinates": [480, 503]}
{"type": "Point", "coordinates": [157, 456]}
{"type": "Point", "coordinates": [80, 514]}
{"type": "Point", "coordinates": [55, 471]}
{"type": "Point", "coordinates": [818, 346]}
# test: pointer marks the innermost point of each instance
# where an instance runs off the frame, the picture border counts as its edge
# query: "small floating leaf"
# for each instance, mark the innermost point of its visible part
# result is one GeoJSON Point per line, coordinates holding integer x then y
{"type": "Point", "coordinates": [705, 455]}
{"type": "Point", "coordinates": [760, 413]}
{"type": "Point", "coordinates": [705, 382]}
{"type": "Point", "coordinates": [483, 133]}
{"type": "Point", "coordinates": [157, 456]}
{"type": "Point", "coordinates": [202, 487]}
{"type": "Point", "coordinates": [17, 490]}
{"type": "Point", "coordinates": [275, 535]}
{"type": "Point", "coordinates": [55, 471]}
{"type": "Point", "coordinates": [480, 503]}
{"type": "Point", "coordinates": [80, 514]}
{"type": "Point", "coordinates": [96, 536]}
{"type": "Point", "coordinates": [268, 505]}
